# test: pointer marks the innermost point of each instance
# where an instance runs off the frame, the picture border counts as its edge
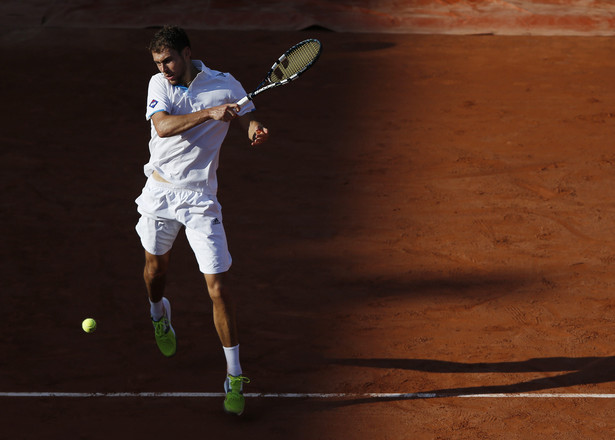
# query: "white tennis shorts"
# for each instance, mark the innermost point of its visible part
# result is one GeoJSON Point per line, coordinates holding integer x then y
{"type": "Point", "coordinates": [165, 209]}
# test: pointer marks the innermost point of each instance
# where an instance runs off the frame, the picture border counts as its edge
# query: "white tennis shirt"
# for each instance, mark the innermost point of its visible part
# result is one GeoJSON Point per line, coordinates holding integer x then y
{"type": "Point", "coordinates": [190, 159]}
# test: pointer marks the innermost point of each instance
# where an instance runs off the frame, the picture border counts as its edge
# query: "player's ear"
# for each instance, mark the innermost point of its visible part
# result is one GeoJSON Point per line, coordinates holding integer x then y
{"type": "Point", "coordinates": [187, 53]}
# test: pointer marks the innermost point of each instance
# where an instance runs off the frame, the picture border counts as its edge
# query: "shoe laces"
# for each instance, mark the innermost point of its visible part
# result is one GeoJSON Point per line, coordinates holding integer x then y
{"type": "Point", "coordinates": [235, 383]}
{"type": "Point", "coordinates": [161, 327]}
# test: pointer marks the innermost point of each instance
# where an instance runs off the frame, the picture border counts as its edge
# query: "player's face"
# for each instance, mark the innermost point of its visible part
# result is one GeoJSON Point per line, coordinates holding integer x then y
{"type": "Point", "coordinates": [172, 64]}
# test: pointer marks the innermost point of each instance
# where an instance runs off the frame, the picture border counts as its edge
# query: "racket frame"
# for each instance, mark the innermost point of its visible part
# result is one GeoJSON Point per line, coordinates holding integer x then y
{"type": "Point", "coordinates": [266, 84]}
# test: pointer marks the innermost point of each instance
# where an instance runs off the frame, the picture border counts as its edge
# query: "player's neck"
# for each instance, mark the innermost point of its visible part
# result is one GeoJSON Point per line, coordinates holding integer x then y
{"type": "Point", "coordinates": [191, 73]}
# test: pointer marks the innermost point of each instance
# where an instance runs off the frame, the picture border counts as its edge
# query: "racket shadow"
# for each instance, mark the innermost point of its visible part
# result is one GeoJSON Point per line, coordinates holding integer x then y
{"type": "Point", "coordinates": [577, 372]}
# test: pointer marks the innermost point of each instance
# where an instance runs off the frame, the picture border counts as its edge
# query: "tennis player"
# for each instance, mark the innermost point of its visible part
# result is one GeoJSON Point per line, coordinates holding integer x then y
{"type": "Point", "coordinates": [190, 108]}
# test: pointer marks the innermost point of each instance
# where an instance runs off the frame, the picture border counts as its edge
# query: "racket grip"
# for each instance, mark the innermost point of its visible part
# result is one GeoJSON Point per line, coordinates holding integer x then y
{"type": "Point", "coordinates": [242, 101]}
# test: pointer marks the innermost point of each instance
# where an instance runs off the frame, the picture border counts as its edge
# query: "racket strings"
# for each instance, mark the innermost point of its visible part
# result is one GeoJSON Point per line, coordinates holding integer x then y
{"type": "Point", "coordinates": [296, 60]}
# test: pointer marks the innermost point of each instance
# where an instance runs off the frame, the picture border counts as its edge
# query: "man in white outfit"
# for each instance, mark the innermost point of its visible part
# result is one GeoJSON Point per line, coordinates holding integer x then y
{"type": "Point", "coordinates": [190, 108]}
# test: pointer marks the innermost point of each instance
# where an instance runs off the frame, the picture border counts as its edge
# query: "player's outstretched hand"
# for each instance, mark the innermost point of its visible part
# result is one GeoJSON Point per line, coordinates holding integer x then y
{"type": "Point", "coordinates": [225, 112]}
{"type": "Point", "coordinates": [261, 134]}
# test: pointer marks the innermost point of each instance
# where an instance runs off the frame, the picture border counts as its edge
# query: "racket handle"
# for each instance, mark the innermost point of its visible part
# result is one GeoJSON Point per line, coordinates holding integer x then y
{"type": "Point", "coordinates": [242, 101]}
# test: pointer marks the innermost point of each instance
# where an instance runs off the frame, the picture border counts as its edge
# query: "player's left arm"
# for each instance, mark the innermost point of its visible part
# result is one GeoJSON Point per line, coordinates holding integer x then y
{"type": "Point", "coordinates": [257, 132]}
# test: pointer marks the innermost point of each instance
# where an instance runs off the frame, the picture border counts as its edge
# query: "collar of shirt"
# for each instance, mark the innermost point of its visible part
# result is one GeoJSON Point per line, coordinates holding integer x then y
{"type": "Point", "coordinates": [204, 73]}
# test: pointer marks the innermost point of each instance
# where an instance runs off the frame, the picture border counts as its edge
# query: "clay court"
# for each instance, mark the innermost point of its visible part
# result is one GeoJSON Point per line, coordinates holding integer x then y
{"type": "Point", "coordinates": [425, 249]}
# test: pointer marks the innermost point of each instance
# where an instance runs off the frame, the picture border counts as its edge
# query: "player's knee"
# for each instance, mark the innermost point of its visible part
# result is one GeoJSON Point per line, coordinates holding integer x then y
{"type": "Point", "coordinates": [155, 268]}
{"type": "Point", "coordinates": [218, 294]}
{"type": "Point", "coordinates": [214, 285]}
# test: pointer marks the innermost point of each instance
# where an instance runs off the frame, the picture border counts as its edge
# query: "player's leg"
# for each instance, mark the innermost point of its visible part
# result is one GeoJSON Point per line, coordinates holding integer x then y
{"type": "Point", "coordinates": [223, 310]}
{"type": "Point", "coordinates": [207, 238]}
{"type": "Point", "coordinates": [214, 261]}
{"type": "Point", "coordinates": [226, 326]}
{"type": "Point", "coordinates": [157, 237]}
{"type": "Point", "coordinates": [155, 275]}
{"type": "Point", "coordinates": [158, 231]}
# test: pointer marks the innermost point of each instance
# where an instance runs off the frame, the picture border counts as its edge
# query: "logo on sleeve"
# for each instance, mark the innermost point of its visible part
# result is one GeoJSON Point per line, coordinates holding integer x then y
{"type": "Point", "coordinates": [153, 104]}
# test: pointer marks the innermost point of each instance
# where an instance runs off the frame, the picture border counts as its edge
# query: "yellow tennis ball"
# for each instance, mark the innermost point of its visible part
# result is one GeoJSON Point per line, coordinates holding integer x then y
{"type": "Point", "coordinates": [88, 325]}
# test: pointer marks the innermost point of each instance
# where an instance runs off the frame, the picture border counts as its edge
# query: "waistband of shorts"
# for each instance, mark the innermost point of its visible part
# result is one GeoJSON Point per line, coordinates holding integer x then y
{"type": "Point", "coordinates": [151, 182]}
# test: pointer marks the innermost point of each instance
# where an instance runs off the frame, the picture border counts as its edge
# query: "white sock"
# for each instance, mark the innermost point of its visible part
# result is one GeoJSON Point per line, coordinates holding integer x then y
{"type": "Point", "coordinates": [233, 367]}
{"type": "Point", "coordinates": [156, 310]}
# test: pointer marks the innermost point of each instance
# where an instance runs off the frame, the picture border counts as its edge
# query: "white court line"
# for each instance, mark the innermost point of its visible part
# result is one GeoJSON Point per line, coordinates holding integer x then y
{"type": "Point", "coordinates": [391, 396]}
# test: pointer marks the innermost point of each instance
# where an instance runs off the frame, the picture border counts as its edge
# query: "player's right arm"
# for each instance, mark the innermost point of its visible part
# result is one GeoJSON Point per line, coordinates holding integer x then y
{"type": "Point", "coordinates": [167, 125]}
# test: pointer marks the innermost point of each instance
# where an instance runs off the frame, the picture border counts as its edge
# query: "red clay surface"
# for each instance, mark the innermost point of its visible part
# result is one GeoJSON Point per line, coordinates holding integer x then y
{"type": "Point", "coordinates": [429, 217]}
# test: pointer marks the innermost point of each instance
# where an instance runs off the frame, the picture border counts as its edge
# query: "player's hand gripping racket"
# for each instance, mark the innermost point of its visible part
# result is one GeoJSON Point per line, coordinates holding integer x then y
{"type": "Point", "coordinates": [288, 67]}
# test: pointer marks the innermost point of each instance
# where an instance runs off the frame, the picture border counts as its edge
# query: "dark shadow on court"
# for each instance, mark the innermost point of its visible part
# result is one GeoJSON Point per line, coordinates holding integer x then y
{"type": "Point", "coordinates": [577, 371]}
{"type": "Point", "coordinates": [474, 286]}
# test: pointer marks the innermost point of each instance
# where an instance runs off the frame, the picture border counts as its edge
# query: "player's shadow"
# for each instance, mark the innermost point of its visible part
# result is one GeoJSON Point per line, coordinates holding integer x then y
{"type": "Point", "coordinates": [575, 371]}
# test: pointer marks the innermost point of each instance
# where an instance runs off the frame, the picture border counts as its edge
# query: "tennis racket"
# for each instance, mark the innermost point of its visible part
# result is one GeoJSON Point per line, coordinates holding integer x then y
{"type": "Point", "coordinates": [288, 67]}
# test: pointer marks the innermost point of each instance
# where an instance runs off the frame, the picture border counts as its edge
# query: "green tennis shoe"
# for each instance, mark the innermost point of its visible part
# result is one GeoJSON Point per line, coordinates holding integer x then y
{"type": "Point", "coordinates": [234, 402]}
{"type": "Point", "coordinates": [163, 330]}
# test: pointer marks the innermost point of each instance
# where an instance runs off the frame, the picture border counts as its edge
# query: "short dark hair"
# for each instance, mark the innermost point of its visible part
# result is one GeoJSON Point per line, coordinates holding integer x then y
{"type": "Point", "coordinates": [169, 37]}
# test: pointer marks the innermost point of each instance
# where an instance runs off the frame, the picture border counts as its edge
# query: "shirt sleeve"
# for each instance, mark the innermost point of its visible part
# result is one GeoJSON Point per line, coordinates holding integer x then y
{"type": "Point", "coordinates": [238, 92]}
{"type": "Point", "coordinates": [157, 97]}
